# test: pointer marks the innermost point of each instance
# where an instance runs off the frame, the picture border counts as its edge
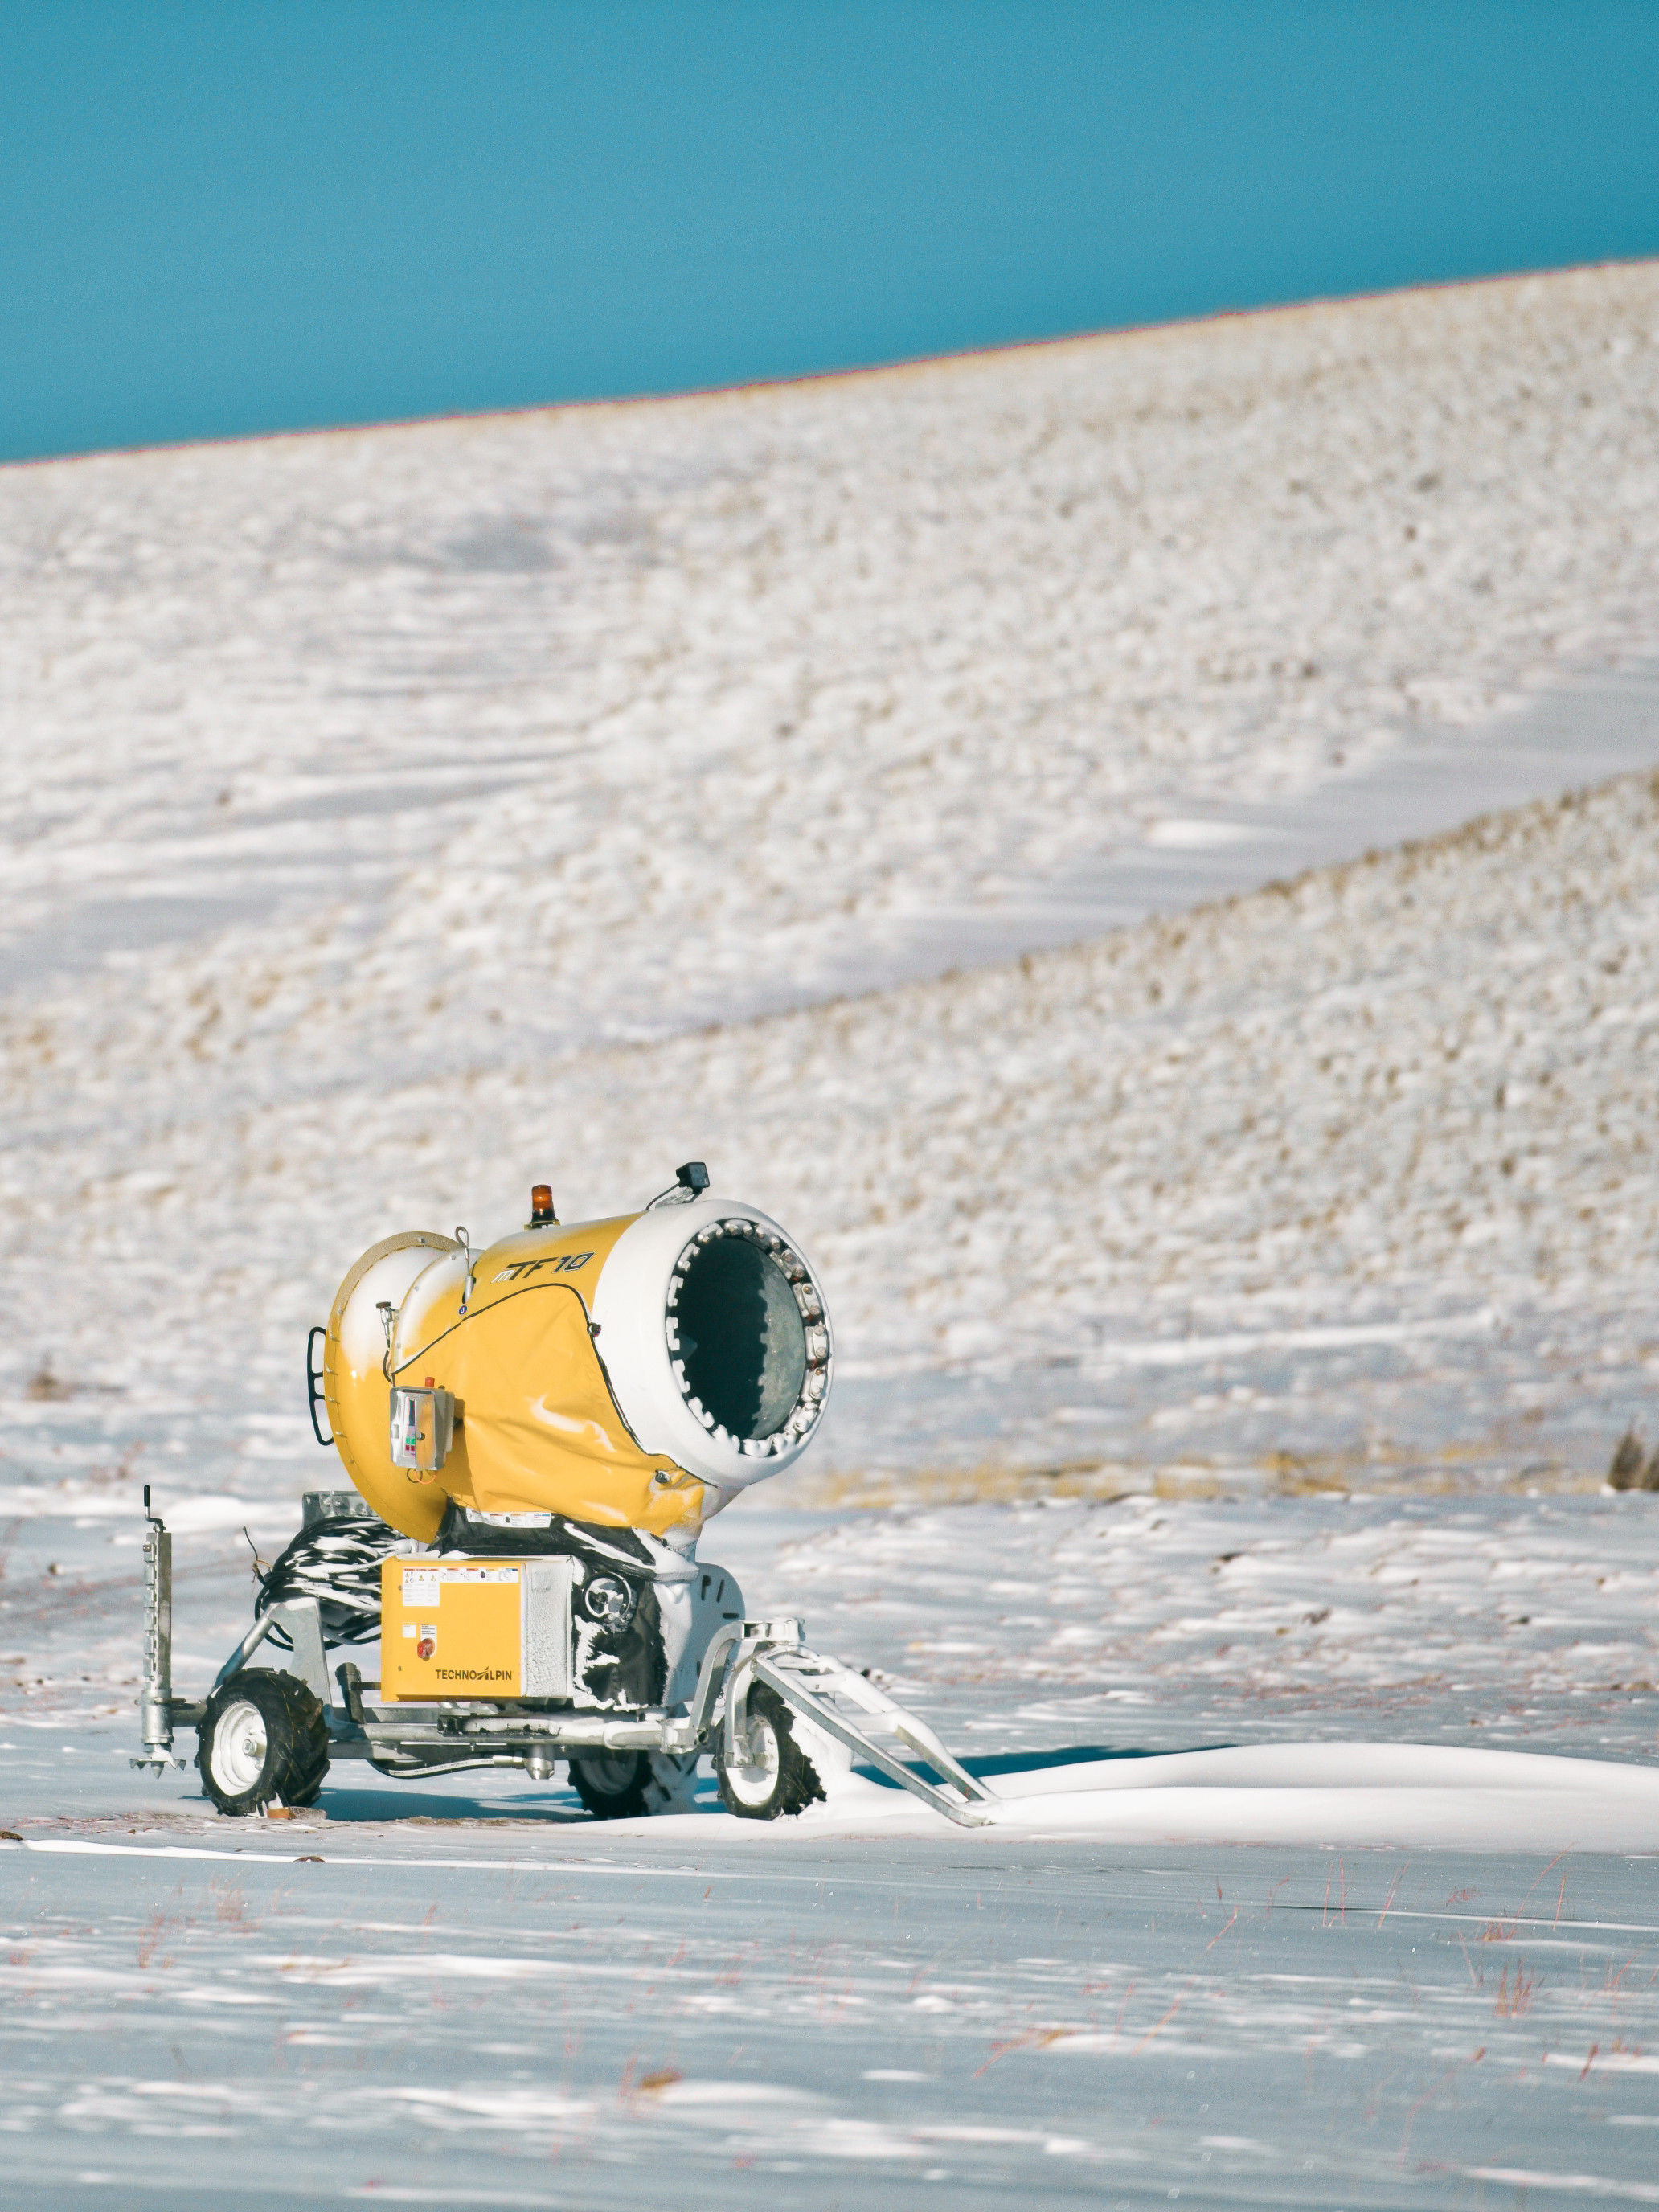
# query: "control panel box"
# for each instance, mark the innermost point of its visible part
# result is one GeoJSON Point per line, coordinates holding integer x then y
{"type": "Point", "coordinates": [474, 1628]}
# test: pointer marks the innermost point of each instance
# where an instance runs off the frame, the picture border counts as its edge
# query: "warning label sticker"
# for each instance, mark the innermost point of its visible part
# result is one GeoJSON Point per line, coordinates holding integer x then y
{"type": "Point", "coordinates": [425, 1585]}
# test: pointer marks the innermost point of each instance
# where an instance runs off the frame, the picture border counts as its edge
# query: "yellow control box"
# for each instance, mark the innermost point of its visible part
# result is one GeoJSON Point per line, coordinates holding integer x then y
{"type": "Point", "coordinates": [474, 1628]}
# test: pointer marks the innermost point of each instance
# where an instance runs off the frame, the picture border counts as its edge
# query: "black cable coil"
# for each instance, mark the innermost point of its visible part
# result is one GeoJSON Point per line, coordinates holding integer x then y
{"type": "Point", "coordinates": [339, 1564]}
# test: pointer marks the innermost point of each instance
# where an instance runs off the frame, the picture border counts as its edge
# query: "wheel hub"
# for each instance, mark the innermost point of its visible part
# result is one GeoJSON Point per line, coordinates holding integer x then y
{"type": "Point", "coordinates": [240, 1746]}
{"type": "Point", "coordinates": [753, 1778]}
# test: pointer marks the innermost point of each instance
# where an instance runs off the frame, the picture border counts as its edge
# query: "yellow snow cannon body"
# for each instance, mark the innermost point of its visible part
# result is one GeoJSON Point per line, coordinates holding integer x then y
{"type": "Point", "coordinates": [629, 1373]}
{"type": "Point", "coordinates": [545, 1425]}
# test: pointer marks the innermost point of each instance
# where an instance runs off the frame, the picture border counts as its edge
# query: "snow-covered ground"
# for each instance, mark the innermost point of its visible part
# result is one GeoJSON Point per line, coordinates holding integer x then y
{"type": "Point", "coordinates": [1392, 1947]}
{"type": "Point", "coordinates": [826, 2025]}
{"type": "Point", "coordinates": [964, 805]}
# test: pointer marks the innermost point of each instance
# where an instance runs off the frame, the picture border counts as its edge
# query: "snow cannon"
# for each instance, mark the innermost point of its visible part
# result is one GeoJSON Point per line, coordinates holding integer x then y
{"type": "Point", "coordinates": [636, 1372]}
{"type": "Point", "coordinates": [537, 1432]}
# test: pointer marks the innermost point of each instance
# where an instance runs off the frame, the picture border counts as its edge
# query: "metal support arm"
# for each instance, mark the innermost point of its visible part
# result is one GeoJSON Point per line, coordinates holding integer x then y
{"type": "Point", "coordinates": [300, 1620]}
{"type": "Point", "coordinates": [817, 1688]}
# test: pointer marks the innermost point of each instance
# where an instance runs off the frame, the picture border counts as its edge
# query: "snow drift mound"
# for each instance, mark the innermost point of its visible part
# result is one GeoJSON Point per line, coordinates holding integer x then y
{"type": "Point", "coordinates": [1323, 1795]}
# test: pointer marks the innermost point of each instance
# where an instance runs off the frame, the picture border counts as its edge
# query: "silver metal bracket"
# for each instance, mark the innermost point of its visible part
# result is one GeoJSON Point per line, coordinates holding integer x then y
{"type": "Point", "coordinates": [301, 1618]}
{"type": "Point", "coordinates": [821, 1690]}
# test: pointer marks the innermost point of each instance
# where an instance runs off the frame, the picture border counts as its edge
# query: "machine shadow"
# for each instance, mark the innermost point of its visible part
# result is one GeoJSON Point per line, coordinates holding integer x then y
{"type": "Point", "coordinates": [348, 1805]}
{"type": "Point", "coordinates": [988, 1767]}
{"type": "Point", "coordinates": [559, 1808]}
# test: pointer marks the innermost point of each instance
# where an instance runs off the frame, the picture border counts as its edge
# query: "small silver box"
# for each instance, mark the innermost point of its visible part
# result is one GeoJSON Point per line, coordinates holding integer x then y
{"type": "Point", "coordinates": [422, 1427]}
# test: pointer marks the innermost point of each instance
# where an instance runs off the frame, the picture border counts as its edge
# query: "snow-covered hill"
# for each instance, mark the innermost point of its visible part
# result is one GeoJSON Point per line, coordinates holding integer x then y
{"type": "Point", "coordinates": [362, 791]}
{"type": "Point", "coordinates": [1358, 1172]}
{"type": "Point", "coordinates": [1363, 1169]}
{"type": "Point", "coordinates": [458, 737]}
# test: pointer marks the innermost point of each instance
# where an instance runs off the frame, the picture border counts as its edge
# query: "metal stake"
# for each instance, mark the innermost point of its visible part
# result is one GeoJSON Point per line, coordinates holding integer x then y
{"type": "Point", "coordinates": [155, 1699]}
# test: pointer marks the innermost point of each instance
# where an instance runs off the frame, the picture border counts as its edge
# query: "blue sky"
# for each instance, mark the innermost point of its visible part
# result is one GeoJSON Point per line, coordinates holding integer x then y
{"type": "Point", "coordinates": [216, 220]}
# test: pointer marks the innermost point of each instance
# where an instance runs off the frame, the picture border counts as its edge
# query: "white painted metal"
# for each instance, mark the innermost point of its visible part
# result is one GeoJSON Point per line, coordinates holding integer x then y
{"type": "Point", "coordinates": [237, 1753]}
{"type": "Point", "coordinates": [631, 1307]}
{"type": "Point", "coordinates": [753, 1775]}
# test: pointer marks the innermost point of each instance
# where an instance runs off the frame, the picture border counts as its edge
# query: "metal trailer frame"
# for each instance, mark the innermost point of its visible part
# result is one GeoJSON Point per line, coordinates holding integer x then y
{"type": "Point", "coordinates": [412, 1741]}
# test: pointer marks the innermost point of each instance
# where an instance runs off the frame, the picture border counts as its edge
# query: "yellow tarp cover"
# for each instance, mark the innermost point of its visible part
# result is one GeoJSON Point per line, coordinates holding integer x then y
{"type": "Point", "coordinates": [538, 1430]}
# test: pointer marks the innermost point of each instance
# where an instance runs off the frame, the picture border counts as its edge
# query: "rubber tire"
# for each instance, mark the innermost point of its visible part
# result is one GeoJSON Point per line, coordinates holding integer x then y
{"type": "Point", "coordinates": [296, 1742]}
{"type": "Point", "coordinates": [795, 1783]}
{"type": "Point", "coordinates": [614, 1785]}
